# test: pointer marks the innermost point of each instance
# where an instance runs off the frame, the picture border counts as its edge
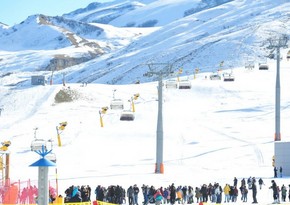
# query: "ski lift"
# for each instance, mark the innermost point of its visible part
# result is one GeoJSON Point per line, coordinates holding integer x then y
{"type": "Point", "coordinates": [37, 144]}
{"type": "Point", "coordinates": [171, 83]}
{"type": "Point", "coordinates": [184, 84]}
{"type": "Point", "coordinates": [215, 76]}
{"type": "Point", "coordinates": [127, 115]}
{"type": "Point", "coordinates": [51, 156]}
{"type": "Point", "coordinates": [228, 77]}
{"type": "Point", "coordinates": [263, 66]}
{"type": "Point", "coordinates": [250, 65]}
{"type": "Point", "coordinates": [117, 104]}
{"type": "Point", "coordinates": [288, 55]}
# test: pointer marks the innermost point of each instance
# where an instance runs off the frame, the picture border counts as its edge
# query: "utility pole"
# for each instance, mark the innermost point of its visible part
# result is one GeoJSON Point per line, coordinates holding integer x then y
{"type": "Point", "coordinates": [1, 109]}
{"type": "Point", "coordinates": [4, 150]}
{"type": "Point", "coordinates": [63, 78]}
{"type": "Point", "coordinates": [164, 71]}
{"type": "Point", "coordinates": [51, 76]}
{"type": "Point", "coordinates": [277, 43]}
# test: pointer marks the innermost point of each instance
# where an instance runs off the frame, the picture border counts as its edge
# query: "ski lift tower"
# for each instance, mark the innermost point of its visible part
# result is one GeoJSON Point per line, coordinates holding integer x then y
{"type": "Point", "coordinates": [5, 161]}
{"type": "Point", "coordinates": [160, 70]}
{"type": "Point", "coordinates": [277, 43]}
{"type": "Point", "coordinates": [43, 163]}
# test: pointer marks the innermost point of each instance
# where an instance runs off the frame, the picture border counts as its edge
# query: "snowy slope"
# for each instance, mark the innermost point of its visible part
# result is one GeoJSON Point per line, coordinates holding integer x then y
{"type": "Point", "coordinates": [103, 13]}
{"type": "Point", "coordinates": [213, 132]}
{"type": "Point", "coordinates": [202, 40]}
{"type": "Point", "coordinates": [30, 35]}
{"type": "Point", "coordinates": [41, 32]}
{"type": "Point", "coordinates": [226, 32]}
{"type": "Point", "coordinates": [156, 13]}
{"type": "Point", "coordinates": [141, 13]}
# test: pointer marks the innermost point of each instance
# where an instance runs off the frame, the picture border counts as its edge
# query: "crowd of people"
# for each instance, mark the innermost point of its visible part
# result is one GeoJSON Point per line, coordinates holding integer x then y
{"type": "Point", "coordinates": [77, 194]}
{"type": "Point", "coordinates": [213, 192]}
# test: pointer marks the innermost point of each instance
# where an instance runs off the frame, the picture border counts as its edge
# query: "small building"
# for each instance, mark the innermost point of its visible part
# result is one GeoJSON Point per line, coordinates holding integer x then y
{"type": "Point", "coordinates": [38, 80]}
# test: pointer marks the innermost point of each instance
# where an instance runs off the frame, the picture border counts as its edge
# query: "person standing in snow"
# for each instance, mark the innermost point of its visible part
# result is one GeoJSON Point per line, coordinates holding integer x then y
{"type": "Point", "coordinates": [145, 191]}
{"type": "Point", "coordinates": [184, 194]}
{"type": "Point", "coordinates": [190, 195]}
{"type": "Point", "coordinates": [254, 192]}
{"type": "Point", "coordinates": [179, 194]}
{"type": "Point", "coordinates": [166, 195]}
{"type": "Point", "coordinates": [275, 191]}
{"type": "Point", "coordinates": [218, 192]}
{"type": "Point", "coordinates": [275, 172]}
{"type": "Point", "coordinates": [244, 192]}
{"type": "Point", "coordinates": [250, 182]}
{"type": "Point", "coordinates": [130, 195]}
{"type": "Point", "coordinates": [172, 191]}
{"type": "Point", "coordinates": [243, 182]}
{"type": "Point", "coordinates": [261, 182]}
{"type": "Point", "coordinates": [284, 193]}
{"type": "Point", "coordinates": [158, 197]}
{"type": "Point", "coordinates": [278, 194]}
{"type": "Point", "coordinates": [204, 193]}
{"type": "Point", "coordinates": [235, 182]}
{"type": "Point", "coordinates": [280, 170]}
{"type": "Point", "coordinates": [197, 194]}
{"type": "Point", "coordinates": [289, 192]}
{"type": "Point", "coordinates": [227, 190]}
{"type": "Point", "coordinates": [135, 196]}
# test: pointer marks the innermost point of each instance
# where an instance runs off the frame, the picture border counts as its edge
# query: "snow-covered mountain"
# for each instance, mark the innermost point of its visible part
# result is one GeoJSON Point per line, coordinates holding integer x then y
{"type": "Point", "coordinates": [2, 25]}
{"type": "Point", "coordinates": [54, 43]}
{"type": "Point", "coordinates": [188, 34]}
{"type": "Point", "coordinates": [213, 132]}
{"type": "Point", "coordinates": [103, 13]}
{"type": "Point", "coordinates": [141, 13]}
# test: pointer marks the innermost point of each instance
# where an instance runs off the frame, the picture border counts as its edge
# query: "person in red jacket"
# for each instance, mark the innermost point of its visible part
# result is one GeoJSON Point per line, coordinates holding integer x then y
{"type": "Point", "coordinates": [158, 197]}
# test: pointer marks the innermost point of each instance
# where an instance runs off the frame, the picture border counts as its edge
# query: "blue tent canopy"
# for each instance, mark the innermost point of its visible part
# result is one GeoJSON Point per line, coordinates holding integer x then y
{"type": "Point", "coordinates": [43, 163]}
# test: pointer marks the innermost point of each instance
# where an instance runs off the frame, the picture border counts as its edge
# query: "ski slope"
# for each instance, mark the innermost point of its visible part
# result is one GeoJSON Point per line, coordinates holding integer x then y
{"type": "Point", "coordinates": [213, 132]}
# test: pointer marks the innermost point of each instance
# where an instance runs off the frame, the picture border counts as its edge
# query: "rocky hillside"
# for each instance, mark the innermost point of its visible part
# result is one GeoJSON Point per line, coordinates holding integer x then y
{"type": "Point", "coordinates": [130, 35]}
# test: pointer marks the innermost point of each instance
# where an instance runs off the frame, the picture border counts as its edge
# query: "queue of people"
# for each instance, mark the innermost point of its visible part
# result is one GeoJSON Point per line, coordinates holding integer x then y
{"type": "Point", "coordinates": [181, 194]}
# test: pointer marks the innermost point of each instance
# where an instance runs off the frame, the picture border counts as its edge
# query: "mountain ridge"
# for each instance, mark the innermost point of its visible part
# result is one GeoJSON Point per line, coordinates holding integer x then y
{"type": "Point", "coordinates": [228, 31]}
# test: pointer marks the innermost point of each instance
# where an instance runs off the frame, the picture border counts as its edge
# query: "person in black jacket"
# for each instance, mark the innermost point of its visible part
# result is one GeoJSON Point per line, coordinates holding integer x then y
{"type": "Point", "coordinates": [254, 190]}
{"type": "Point", "coordinates": [172, 190]}
{"type": "Point", "coordinates": [135, 196]}
{"type": "Point", "coordinates": [281, 170]}
{"type": "Point", "coordinates": [235, 182]}
{"type": "Point", "coordinates": [130, 193]}
{"type": "Point", "coordinates": [275, 191]}
{"type": "Point", "coordinates": [261, 183]}
{"type": "Point", "coordinates": [204, 193]}
{"type": "Point", "coordinates": [275, 172]}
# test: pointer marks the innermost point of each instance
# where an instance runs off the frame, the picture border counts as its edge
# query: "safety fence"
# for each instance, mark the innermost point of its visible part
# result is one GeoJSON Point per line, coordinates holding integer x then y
{"type": "Point", "coordinates": [22, 192]}
{"type": "Point", "coordinates": [73, 203]}
{"type": "Point", "coordinates": [92, 203]}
